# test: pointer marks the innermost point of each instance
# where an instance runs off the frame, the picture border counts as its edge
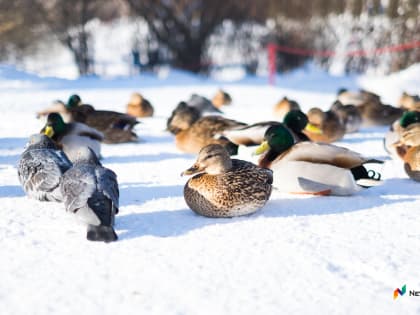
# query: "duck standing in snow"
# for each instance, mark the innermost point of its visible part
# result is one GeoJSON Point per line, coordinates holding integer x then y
{"type": "Point", "coordinates": [225, 187]}
{"type": "Point", "coordinates": [314, 168]}
{"type": "Point", "coordinates": [72, 136]}
{"type": "Point", "coordinates": [41, 167]}
{"type": "Point", "coordinates": [90, 191]}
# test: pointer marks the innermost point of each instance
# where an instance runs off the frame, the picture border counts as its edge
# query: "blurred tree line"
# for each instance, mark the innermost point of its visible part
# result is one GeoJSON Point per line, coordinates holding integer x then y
{"type": "Point", "coordinates": [185, 27]}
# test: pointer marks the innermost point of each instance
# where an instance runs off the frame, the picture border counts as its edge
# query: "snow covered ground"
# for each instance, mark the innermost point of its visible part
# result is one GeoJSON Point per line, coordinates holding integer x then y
{"type": "Point", "coordinates": [298, 255]}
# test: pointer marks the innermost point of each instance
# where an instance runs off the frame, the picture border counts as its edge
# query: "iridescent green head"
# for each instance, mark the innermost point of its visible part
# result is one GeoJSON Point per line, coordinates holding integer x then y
{"type": "Point", "coordinates": [74, 101]}
{"type": "Point", "coordinates": [54, 126]}
{"type": "Point", "coordinates": [296, 120]}
{"type": "Point", "coordinates": [409, 118]}
{"type": "Point", "coordinates": [277, 139]}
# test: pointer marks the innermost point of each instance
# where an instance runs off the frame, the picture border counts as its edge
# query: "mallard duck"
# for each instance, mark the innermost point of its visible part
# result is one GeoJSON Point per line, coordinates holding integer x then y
{"type": "Point", "coordinates": [56, 107]}
{"type": "Point", "coordinates": [40, 168]}
{"type": "Point", "coordinates": [203, 104]}
{"type": "Point", "coordinates": [284, 106]}
{"type": "Point", "coordinates": [313, 168]}
{"type": "Point", "coordinates": [116, 127]}
{"type": "Point", "coordinates": [329, 127]}
{"type": "Point", "coordinates": [72, 136]}
{"type": "Point", "coordinates": [295, 121]}
{"type": "Point", "coordinates": [90, 191]}
{"type": "Point", "coordinates": [409, 102]}
{"type": "Point", "coordinates": [349, 116]}
{"type": "Point", "coordinates": [412, 163]}
{"type": "Point", "coordinates": [193, 133]}
{"type": "Point", "coordinates": [225, 187]}
{"type": "Point", "coordinates": [138, 106]}
{"type": "Point", "coordinates": [403, 134]}
{"type": "Point", "coordinates": [347, 97]}
{"type": "Point", "coordinates": [377, 114]}
{"type": "Point", "coordinates": [221, 98]}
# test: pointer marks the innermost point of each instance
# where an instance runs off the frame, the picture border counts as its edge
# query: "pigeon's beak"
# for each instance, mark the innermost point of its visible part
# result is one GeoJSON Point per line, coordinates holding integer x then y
{"type": "Point", "coordinates": [49, 131]}
{"type": "Point", "coordinates": [264, 146]}
{"type": "Point", "coordinates": [313, 129]}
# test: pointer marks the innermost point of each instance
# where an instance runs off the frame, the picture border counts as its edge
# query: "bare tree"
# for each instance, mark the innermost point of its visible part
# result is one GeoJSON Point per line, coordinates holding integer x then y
{"type": "Point", "coordinates": [184, 26]}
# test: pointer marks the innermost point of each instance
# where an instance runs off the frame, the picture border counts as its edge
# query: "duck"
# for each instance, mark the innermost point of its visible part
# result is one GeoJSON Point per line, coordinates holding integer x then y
{"type": "Point", "coordinates": [378, 114]}
{"type": "Point", "coordinates": [409, 102]}
{"type": "Point", "coordinates": [329, 127]}
{"type": "Point", "coordinates": [412, 163]}
{"type": "Point", "coordinates": [193, 132]}
{"type": "Point", "coordinates": [116, 127]}
{"type": "Point", "coordinates": [347, 97]}
{"type": "Point", "coordinates": [314, 168]}
{"type": "Point", "coordinates": [40, 168]}
{"type": "Point", "coordinates": [223, 187]}
{"type": "Point", "coordinates": [203, 104]}
{"type": "Point", "coordinates": [71, 136]}
{"type": "Point", "coordinates": [221, 98]}
{"type": "Point", "coordinates": [138, 106]}
{"type": "Point", "coordinates": [90, 191]}
{"type": "Point", "coordinates": [284, 106]}
{"type": "Point", "coordinates": [349, 116]}
{"type": "Point", "coordinates": [295, 120]}
{"type": "Point", "coordinates": [403, 134]}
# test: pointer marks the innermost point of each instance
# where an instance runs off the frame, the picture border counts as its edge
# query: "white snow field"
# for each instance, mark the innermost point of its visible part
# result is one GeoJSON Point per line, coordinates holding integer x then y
{"type": "Point", "coordinates": [298, 255]}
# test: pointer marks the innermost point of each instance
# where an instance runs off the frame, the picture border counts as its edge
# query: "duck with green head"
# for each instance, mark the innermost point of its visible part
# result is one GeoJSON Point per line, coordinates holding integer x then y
{"type": "Point", "coordinates": [313, 168]}
{"type": "Point", "coordinates": [72, 136]}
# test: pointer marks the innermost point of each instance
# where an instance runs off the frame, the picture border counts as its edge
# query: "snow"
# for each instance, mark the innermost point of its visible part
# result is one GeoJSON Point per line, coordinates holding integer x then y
{"type": "Point", "coordinates": [298, 255]}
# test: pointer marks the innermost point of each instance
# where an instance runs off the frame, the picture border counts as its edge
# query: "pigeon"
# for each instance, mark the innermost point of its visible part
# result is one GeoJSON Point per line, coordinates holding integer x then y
{"type": "Point", "coordinates": [90, 191]}
{"type": "Point", "coordinates": [41, 167]}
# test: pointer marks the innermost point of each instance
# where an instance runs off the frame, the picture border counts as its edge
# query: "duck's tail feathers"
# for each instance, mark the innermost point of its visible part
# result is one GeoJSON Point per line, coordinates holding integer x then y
{"type": "Point", "coordinates": [366, 178]}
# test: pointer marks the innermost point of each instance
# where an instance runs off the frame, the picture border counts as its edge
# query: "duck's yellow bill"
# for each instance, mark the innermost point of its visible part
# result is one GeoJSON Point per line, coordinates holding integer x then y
{"type": "Point", "coordinates": [313, 129]}
{"type": "Point", "coordinates": [264, 146]}
{"type": "Point", "coordinates": [49, 131]}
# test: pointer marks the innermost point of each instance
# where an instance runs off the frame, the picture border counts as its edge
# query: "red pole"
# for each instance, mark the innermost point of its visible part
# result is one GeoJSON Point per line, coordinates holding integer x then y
{"type": "Point", "coordinates": [272, 67]}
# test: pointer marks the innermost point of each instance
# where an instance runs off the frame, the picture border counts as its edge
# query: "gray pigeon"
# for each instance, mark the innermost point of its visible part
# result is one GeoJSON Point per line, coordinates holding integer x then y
{"type": "Point", "coordinates": [91, 192]}
{"type": "Point", "coordinates": [41, 167]}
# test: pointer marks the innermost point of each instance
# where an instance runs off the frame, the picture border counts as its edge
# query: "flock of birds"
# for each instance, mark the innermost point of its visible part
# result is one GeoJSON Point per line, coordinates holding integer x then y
{"type": "Point", "coordinates": [62, 162]}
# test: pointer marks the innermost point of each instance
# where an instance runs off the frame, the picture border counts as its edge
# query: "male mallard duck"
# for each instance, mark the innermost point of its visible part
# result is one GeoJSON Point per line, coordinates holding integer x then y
{"type": "Point", "coordinates": [40, 168]}
{"type": "Point", "coordinates": [193, 133]}
{"type": "Point", "coordinates": [313, 168]}
{"type": "Point", "coordinates": [409, 102]}
{"type": "Point", "coordinates": [90, 191]}
{"type": "Point", "coordinates": [284, 106]}
{"type": "Point", "coordinates": [221, 98]}
{"type": "Point", "coordinates": [225, 187]}
{"type": "Point", "coordinates": [329, 127]}
{"type": "Point", "coordinates": [138, 106]}
{"type": "Point", "coordinates": [56, 107]}
{"type": "Point", "coordinates": [347, 97]}
{"type": "Point", "coordinates": [116, 127]}
{"type": "Point", "coordinates": [404, 133]}
{"type": "Point", "coordinates": [412, 163]}
{"type": "Point", "coordinates": [295, 121]}
{"type": "Point", "coordinates": [349, 116]}
{"type": "Point", "coordinates": [72, 136]}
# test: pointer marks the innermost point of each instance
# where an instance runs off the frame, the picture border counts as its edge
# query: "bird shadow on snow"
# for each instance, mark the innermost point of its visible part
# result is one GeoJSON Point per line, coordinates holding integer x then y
{"type": "Point", "coordinates": [11, 191]}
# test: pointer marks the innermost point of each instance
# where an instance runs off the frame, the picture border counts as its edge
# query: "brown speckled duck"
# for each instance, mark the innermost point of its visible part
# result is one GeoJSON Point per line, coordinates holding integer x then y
{"type": "Point", "coordinates": [347, 97]}
{"type": "Point", "coordinates": [412, 163]}
{"type": "Point", "coordinates": [329, 127]}
{"type": "Point", "coordinates": [221, 98]}
{"type": "Point", "coordinates": [193, 133]}
{"type": "Point", "coordinates": [409, 102]}
{"type": "Point", "coordinates": [138, 106]}
{"type": "Point", "coordinates": [284, 106]}
{"type": "Point", "coordinates": [225, 187]}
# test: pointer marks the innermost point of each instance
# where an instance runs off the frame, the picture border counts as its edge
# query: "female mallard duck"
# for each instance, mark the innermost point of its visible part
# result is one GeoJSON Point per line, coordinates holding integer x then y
{"type": "Point", "coordinates": [329, 127]}
{"type": "Point", "coordinates": [409, 102]}
{"type": "Point", "coordinates": [349, 116]}
{"type": "Point", "coordinates": [138, 106]}
{"type": "Point", "coordinates": [225, 187]}
{"type": "Point", "coordinates": [72, 136]}
{"type": "Point", "coordinates": [221, 98]}
{"type": "Point", "coordinates": [412, 163]}
{"type": "Point", "coordinates": [193, 133]}
{"type": "Point", "coordinates": [404, 133]}
{"type": "Point", "coordinates": [295, 121]}
{"type": "Point", "coordinates": [378, 114]}
{"type": "Point", "coordinates": [313, 168]}
{"type": "Point", "coordinates": [116, 127]}
{"type": "Point", "coordinates": [284, 106]}
{"type": "Point", "coordinates": [347, 97]}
